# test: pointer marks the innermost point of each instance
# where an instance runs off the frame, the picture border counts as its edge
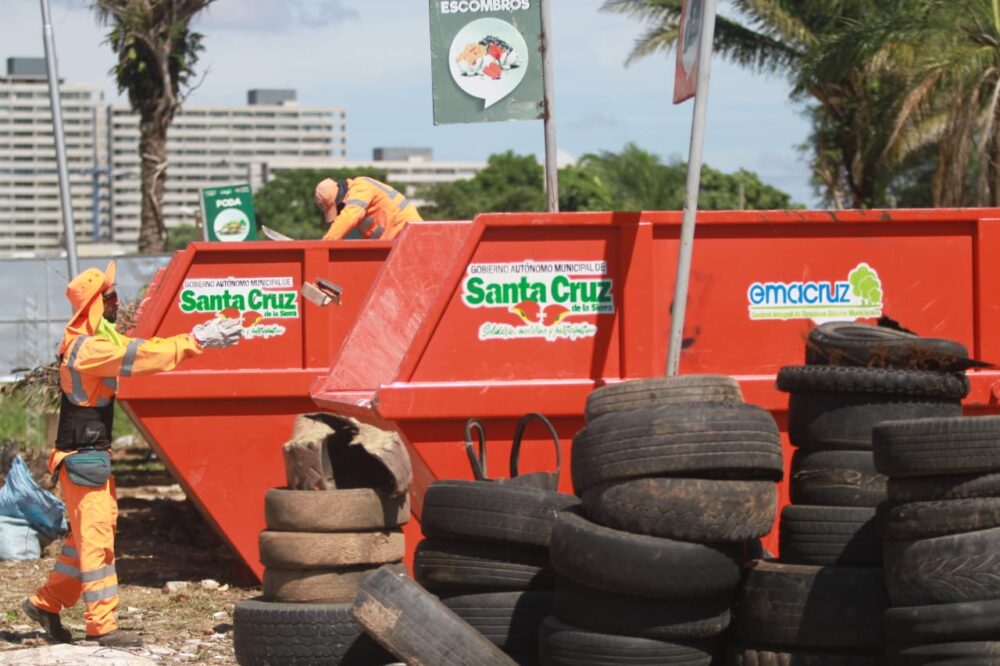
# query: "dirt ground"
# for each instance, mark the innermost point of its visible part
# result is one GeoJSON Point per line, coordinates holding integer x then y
{"type": "Point", "coordinates": [161, 538]}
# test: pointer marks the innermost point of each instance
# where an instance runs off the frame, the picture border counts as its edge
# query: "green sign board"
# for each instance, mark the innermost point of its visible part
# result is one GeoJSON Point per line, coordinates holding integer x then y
{"type": "Point", "coordinates": [486, 60]}
{"type": "Point", "coordinates": [227, 213]}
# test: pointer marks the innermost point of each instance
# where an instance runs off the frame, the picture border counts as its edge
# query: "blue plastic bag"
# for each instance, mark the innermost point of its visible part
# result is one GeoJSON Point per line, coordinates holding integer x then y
{"type": "Point", "coordinates": [18, 540]}
{"type": "Point", "coordinates": [21, 497]}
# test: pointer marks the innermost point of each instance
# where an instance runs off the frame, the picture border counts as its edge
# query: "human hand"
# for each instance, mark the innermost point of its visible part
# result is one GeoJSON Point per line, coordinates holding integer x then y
{"type": "Point", "coordinates": [218, 333]}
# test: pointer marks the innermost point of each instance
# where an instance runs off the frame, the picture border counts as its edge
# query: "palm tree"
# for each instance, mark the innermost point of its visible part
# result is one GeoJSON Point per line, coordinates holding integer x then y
{"type": "Point", "coordinates": [156, 56]}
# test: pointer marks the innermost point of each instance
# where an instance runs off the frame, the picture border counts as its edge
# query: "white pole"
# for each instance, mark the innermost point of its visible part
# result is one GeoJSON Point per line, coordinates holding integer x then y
{"type": "Point", "coordinates": [693, 186]}
{"type": "Point", "coordinates": [548, 103]}
{"type": "Point", "coordinates": [55, 101]}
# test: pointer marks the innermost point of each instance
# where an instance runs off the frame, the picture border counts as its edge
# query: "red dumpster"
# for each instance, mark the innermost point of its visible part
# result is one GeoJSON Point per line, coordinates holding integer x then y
{"type": "Point", "coordinates": [218, 421]}
{"type": "Point", "coordinates": [524, 313]}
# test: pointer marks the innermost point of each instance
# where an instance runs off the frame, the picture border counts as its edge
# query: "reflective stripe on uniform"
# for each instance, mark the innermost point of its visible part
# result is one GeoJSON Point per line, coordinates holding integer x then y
{"type": "Point", "coordinates": [391, 193]}
{"type": "Point", "coordinates": [78, 396]}
{"type": "Point", "coordinates": [66, 569]}
{"type": "Point", "coordinates": [360, 203]}
{"type": "Point", "coordinates": [69, 552]}
{"type": "Point", "coordinates": [91, 596]}
{"type": "Point", "coordinates": [111, 383]}
{"type": "Point", "coordinates": [130, 353]}
{"type": "Point", "coordinates": [366, 224]}
{"type": "Point", "coordinates": [98, 574]}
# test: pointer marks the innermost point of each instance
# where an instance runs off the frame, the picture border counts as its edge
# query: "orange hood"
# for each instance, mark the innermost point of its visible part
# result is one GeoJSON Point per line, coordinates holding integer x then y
{"type": "Point", "coordinates": [84, 294]}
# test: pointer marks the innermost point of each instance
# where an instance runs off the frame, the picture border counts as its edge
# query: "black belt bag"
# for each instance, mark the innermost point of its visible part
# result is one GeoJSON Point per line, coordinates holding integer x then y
{"type": "Point", "coordinates": [90, 468]}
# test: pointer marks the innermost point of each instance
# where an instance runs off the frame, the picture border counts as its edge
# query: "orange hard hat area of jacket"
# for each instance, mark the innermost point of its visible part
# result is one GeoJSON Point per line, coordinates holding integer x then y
{"type": "Point", "coordinates": [377, 210]}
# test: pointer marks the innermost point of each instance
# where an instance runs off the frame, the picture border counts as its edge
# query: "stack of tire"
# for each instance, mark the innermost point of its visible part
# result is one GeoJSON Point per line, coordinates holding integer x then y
{"type": "Point", "coordinates": [823, 600]}
{"type": "Point", "coordinates": [486, 557]}
{"type": "Point", "coordinates": [675, 475]}
{"type": "Point", "coordinates": [317, 548]}
{"type": "Point", "coordinates": [942, 548]}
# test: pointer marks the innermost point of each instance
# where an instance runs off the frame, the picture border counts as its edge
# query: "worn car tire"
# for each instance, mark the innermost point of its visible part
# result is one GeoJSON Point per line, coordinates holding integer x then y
{"type": "Point", "coordinates": [835, 478]}
{"type": "Point", "coordinates": [941, 623]}
{"type": "Point", "coordinates": [416, 627]}
{"type": "Point", "coordinates": [742, 655]}
{"type": "Point", "coordinates": [685, 509]}
{"type": "Point", "coordinates": [659, 391]}
{"type": "Point", "coordinates": [452, 565]}
{"type": "Point", "coordinates": [872, 381]}
{"type": "Point", "coordinates": [924, 520]}
{"type": "Point", "coordinates": [830, 535]}
{"type": "Point", "coordinates": [354, 510]}
{"type": "Point", "coordinates": [721, 440]}
{"type": "Point", "coordinates": [853, 344]}
{"type": "Point", "coordinates": [642, 565]}
{"type": "Point", "coordinates": [509, 620]}
{"type": "Point", "coordinates": [958, 653]}
{"type": "Point", "coordinates": [565, 645]}
{"type": "Point", "coordinates": [943, 487]}
{"type": "Point", "coordinates": [491, 511]}
{"type": "Point", "coordinates": [794, 605]}
{"type": "Point", "coordinates": [933, 446]}
{"type": "Point", "coordinates": [317, 550]}
{"type": "Point", "coordinates": [268, 633]}
{"type": "Point", "coordinates": [331, 586]}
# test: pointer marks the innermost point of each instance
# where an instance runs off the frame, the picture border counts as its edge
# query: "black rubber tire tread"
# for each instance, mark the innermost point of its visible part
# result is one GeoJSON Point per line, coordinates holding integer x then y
{"type": "Point", "coordinates": [924, 520]}
{"type": "Point", "coordinates": [268, 633]}
{"type": "Point", "coordinates": [841, 379]}
{"type": "Point", "coordinates": [741, 655]}
{"type": "Point", "coordinates": [925, 447]}
{"type": "Point", "coordinates": [830, 535]}
{"type": "Point", "coordinates": [659, 391]}
{"type": "Point", "coordinates": [944, 570]}
{"type": "Point", "coordinates": [835, 478]}
{"type": "Point", "coordinates": [331, 586]}
{"type": "Point", "coordinates": [705, 440]}
{"type": "Point", "coordinates": [416, 627]}
{"type": "Point", "coordinates": [491, 511]}
{"type": "Point", "coordinates": [565, 645]}
{"type": "Point", "coordinates": [852, 344]}
{"type": "Point", "coordinates": [794, 605]}
{"type": "Point", "coordinates": [957, 653]}
{"type": "Point", "coordinates": [942, 623]}
{"type": "Point", "coordinates": [318, 550]}
{"type": "Point", "coordinates": [685, 509]}
{"type": "Point", "coordinates": [353, 510]}
{"type": "Point", "coordinates": [509, 620]}
{"type": "Point", "coordinates": [943, 487]}
{"type": "Point", "coordinates": [450, 565]}
{"type": "Point", "coordinates": [642, 565]}
{"type": "Point", "coordinates": [646, 617]}
{"type": "Point", "coordinates": [828, 421]}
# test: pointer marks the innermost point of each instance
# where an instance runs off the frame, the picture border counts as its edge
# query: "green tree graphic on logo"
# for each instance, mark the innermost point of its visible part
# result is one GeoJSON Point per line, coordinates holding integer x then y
{"type": "Point", "coordinates": [866, 285]}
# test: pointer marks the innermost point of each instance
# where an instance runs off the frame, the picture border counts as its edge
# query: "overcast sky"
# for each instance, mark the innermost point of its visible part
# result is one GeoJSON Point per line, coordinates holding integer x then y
{"type": "Point", "coordinates": [372, 57]}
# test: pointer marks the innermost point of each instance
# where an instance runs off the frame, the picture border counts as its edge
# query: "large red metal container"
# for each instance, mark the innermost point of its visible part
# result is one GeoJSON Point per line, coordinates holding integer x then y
{"type": "Point", "coordinates": [521, 313]}
{"type": "Point", "coordinates": [218, 421]}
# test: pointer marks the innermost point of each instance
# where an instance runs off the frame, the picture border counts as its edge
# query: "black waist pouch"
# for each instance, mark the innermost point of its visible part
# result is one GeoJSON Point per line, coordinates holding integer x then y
{"type": "Point", "coordinates": [90, 468]}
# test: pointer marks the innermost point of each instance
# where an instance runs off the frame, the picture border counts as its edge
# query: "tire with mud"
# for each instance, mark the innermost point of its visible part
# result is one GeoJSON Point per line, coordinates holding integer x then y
{"type": "Point", "coordinates": [943, 487]}
{"type": "Point", "coordinates": [836, 478]}
{"type": "Point", "coordinates": [941, 623]}
{"type": "Point", "coordinates": [925, 520]}
{"type": "Point", "coordinates": [660, 391]}
{"type": "Point", "coordinates": [332, 586]}
{"type": "Point", "coordinates": [830, 535]}
{"type": "Point", "coordinates": [853, 344]}
{"type": "Point", "coordinates": [935, 446]}
{"type": "Point", "coordinates": [318, 550]}
{"type": "Point", "coordinates": [742, 655]}
{"type": "Point", "coordinates": [509, 620]}
{"type": "Point", "coordinates": [457, 565]}
{"type": "Point", "coordinates": [353, 510]}
{"type": "Point", "coordinates": [565, 645]}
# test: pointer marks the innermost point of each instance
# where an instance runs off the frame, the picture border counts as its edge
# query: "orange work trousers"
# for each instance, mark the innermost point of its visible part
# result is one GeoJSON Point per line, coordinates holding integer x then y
{"type": "Point", "coordinates": [86, 565]}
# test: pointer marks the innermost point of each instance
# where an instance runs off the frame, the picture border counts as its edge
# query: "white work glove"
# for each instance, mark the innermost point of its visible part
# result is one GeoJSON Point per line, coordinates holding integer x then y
{"type": "Point", "coordinates": [218, 333]}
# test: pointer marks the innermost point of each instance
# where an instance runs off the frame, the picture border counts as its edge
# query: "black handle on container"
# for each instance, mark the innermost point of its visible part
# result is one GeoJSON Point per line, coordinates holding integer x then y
{"type": "Point", "coordinates": [515, 450]}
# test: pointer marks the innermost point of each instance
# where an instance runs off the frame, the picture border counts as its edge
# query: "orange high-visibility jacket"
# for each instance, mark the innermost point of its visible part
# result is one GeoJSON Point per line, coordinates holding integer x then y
{"type": "Point", "coordinates": [376, 209]}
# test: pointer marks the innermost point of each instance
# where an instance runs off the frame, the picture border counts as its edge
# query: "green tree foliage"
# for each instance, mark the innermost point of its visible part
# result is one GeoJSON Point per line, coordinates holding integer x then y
{"type": "Point", "coordinates": [287, 202]}
{"type": "Point", "coordinates": [179, 237]}
{"type": "Point", "coordinates": [156, 54]}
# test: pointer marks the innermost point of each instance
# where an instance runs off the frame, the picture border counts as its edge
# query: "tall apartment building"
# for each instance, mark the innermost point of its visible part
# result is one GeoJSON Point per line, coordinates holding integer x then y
{"type": "Point", "coordinates": [216, 145]}
{"type": "Point", "coordinates": [30, 210]}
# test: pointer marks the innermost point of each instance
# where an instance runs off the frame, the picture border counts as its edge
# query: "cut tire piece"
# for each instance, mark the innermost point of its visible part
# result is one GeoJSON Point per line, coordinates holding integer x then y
{"type": "Point", "coordinates": [491, 511]}
{"type": "Point", "coordinates": [417, 628]}
{"type": "Point", "coordinates": [943, 487]}
{"type": "Point", "coordinates": [904, 383]}
{"type": "Point", "coordinates": [935, 446]}
{"type": "Point", "coordinates": [829, 535]}
{"type": "Point", "coordinates": [266, 633]}
{"type": "Point", "coordinates": [924, 520]}
{"type": "Point", "coordinates": [706, 440]}
{"type": "Point", "coordinates": [836, 478]}
{"type": "Point", "coordinates": [317, 550]}
{"type": "Point", "coordinates": [564, 645]}
{"type": "Point", "coordinates": [646, 617]}
{"type": "Point", "coordinates": [642, 565]}
{"type": "Point", "coordinates": [959, 653]}
{"type": "Point", "coordinates": [659, 391]}
{"type": "Point", "coordinates": [354, 510]}
{"type": "Point", "coordinates": [333, 586]}
{"type": "Point", "coordinates": [853, 344]}
{"type": "Point", "coordinates": [740, 655]}
{"type": "Point", "coordinates": [685, 509]}
{"type": "Point", "coordinates": [450, 565]}
{"type": "Point", "coordinates": [794, 605]}
{"type": "Point", "coordinates": [944, 570]}
{"type": "Point", "coordinates": [941, 623]}
{"type": "Point", "coordinates": [509, 620]}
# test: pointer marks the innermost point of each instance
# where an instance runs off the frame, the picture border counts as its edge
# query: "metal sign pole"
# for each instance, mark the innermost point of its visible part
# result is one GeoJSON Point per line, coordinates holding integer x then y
{"type": "Point", "coordinates": [548, 98]}
{"type": "Point", "coordinates": [693, 185]}
{"type": "Point", "coordinates": [57, 129]}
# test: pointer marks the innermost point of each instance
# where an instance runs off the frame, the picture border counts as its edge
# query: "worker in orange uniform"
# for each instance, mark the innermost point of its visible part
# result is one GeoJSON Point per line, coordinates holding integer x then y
{"type": "Point", "coordinates": [375, 209]}
{"type": "Point", "coordinates": [92, 357]}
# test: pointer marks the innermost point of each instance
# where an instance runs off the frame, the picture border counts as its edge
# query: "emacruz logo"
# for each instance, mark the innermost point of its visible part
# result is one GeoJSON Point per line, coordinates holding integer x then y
{"type": "Point", "coordinates": [859, 296]}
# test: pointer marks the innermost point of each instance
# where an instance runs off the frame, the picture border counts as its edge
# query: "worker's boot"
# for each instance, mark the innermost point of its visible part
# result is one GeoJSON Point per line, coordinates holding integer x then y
{"type": "Point", "coordinates": [118, 639]}
{"type": "Point", "coordinates": [50, 622]}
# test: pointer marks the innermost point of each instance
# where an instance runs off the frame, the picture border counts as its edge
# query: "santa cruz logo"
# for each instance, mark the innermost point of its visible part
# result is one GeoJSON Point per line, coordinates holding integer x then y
{"type": "Point", "coordinates": [256, 302]}
{"type": "Point", "coordinates": [859, 296]}
{"type": "Point", "coordinates": [539, 299]}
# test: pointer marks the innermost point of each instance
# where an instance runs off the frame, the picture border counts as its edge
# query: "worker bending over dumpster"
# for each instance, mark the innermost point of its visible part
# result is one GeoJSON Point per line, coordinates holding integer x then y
{"type": "Point", "coordinates": [92, 357]}
{"type": "Point", "coordinates": [375, 209]}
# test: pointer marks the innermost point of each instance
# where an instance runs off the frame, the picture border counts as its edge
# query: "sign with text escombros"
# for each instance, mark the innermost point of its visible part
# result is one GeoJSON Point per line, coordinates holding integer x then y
{"type": "Point", "coordinates": [227, 213]}
{"type": "Point", "coordinates": [550, 300]}
{"type": "Point", "coordinates": [260, 303]}
{"type": "Point", "coordinates": [486, 62]}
